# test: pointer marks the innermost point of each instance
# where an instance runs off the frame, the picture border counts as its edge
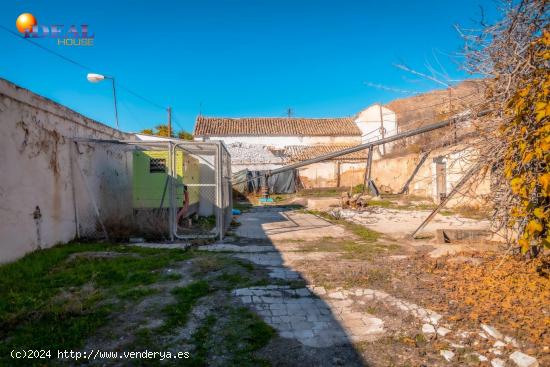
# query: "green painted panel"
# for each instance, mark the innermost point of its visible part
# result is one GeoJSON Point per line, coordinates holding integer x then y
{"type": "Point", "coordinates": [148, 185]}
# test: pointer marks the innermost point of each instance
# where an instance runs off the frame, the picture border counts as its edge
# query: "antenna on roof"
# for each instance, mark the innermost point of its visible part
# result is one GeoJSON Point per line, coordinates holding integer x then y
{"type": "Point", "coordinates": [289, 112]}
{"type": "Point", "coordinates": [200, 108]}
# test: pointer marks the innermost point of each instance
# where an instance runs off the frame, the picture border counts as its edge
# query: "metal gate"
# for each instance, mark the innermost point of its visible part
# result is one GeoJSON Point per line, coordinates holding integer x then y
{"type": "Point", "coordinates": [163, 189]}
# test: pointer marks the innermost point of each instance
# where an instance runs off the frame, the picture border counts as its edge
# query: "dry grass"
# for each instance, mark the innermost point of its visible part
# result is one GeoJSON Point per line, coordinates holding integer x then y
{"type": "Point", "coordinates": [513, 293]}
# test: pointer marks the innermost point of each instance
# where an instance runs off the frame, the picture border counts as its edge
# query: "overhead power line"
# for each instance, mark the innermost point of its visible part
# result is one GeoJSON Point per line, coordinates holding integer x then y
{"type": "Point", "coordinates": [78, 64]}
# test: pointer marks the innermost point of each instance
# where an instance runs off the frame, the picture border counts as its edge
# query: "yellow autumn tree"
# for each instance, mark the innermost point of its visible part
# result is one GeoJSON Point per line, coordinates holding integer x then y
{"type": "Point", "coordinates": [514, 55]}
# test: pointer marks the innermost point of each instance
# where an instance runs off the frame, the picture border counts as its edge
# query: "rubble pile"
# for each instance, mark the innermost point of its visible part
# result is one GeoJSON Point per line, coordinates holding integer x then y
{"type": "Point", "coordinates": [243, 153]}
{"type": "Point", "coordinates": [356, 201]}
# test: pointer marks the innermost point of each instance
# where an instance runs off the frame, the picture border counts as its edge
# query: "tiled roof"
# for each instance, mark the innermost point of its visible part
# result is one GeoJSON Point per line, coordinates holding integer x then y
{"type": "Point", "coordinates": [275, 126]}
{"type": "Point", "coordinates": [295, 153]}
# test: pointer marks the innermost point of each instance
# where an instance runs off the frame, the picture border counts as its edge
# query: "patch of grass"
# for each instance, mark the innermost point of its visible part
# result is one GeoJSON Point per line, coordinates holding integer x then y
{"type": "Point", "coordinates": [170, 277]}
{"type": "Point", "coordinates": [236, 337]}
{"type": "Point", "coordinates": [321, 192]}
{"type": "Point", "coordinates": [235, 280]}
{"type": "Point", "coordinates": [243, 207]}
{"type": "Point", "coordinates": [186, 297]}
{"type": "Point", "coordinates": [207, 223]}
{"type": "Point", "coordinates": [49, 301]}
{"type": "Point", "coordinates": [200, 340]}
{"type": "Point", "coordinates": [383, 203]}
{"type": "Point", "coordinates": [135, 294]}
{"type": "Point", "coordinates": [472, 213]}
{"type": "Point", "coordinates": [361, 251]}
{"type": "Point", "coordinates": [360, 231]}
{"type": "Point", "coordinates": [446, 213]}
{"type": "Point", "coordinates": [208, 263]}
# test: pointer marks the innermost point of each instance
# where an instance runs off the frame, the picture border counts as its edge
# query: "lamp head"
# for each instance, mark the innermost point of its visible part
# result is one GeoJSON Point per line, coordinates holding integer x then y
{"type": "Point", "coordinates": [95, 78]}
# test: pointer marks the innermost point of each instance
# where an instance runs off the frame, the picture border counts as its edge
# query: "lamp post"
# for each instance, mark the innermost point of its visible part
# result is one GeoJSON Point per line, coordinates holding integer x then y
{"type": "Point", "coordinates": [96, 78]}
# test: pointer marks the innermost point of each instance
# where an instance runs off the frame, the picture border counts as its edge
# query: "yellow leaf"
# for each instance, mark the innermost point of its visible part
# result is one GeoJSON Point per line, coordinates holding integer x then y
{"type": "Point", "coordinates": [524, 245]}
{"type": "Point", "coordinates": [539, 213]}
{"type": "Point", "coordinates": [545, 182]}
{"type": "Point", "coordinates": [534, 227]}
{"type": "Point", "coordinates": [528, 157]}
{"type": "Point", "coordinates": [516, 184]}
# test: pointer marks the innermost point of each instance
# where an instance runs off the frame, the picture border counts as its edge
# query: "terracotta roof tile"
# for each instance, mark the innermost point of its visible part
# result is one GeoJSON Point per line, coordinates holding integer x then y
{"type": "Point", "coordinates": [295, 153]}
{"type": "Point", "coordinates": [275, 126]}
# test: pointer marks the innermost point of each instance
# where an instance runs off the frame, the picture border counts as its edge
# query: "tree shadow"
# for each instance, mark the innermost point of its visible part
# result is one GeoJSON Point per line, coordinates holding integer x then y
{"type": "Point", "coordinates": [310, 329]}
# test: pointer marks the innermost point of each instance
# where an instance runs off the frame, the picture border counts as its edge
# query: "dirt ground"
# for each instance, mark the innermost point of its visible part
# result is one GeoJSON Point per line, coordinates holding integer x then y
{"type": "Point", "coordinates": [421, 274]}
{"type": "Point", "coordinates": [287, 287]}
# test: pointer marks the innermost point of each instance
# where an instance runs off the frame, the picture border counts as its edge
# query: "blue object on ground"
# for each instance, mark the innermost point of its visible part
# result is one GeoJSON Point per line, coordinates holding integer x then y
{"type": "Point", "coordinates": [236, 212]}
{"type": "Point", "coordinates": [266, 200]}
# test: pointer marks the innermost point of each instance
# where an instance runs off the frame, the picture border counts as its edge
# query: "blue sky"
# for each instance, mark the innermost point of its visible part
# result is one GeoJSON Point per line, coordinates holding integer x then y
{"type": "Point", "coordinates": [236, 58]}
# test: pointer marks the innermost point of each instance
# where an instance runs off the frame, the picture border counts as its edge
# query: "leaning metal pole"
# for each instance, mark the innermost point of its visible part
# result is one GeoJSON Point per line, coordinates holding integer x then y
{"type": "Point", "coordinates": [357, 148]}
{"type": "Point", "coordinates": [471, 172]}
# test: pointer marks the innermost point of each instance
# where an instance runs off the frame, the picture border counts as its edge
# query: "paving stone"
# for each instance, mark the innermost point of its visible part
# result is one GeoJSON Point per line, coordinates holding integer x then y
{"type": "Point", "coordinates": [499, 344]}
{"type": "Point", "coordinates": [497, 362]}
{"type": "Point", "coordinates": [311, 320]}
{"type": "Point", "coordinates": [287, 334]}
{"type": "Point", "coordinates": [434, 318]}
{"type": "Point", "coordinates": [512, 341]}
{"type": "Point", "coordinates": [302, 334]}
{"type": "Point", "coordinates": [481, 357]}
{"type": "Point", "coordinates": [492, 331]}
{"type": "Point", "coordinates": [303, 292]}
{"type": "Point", "coordinates": [267, 259]}
{"type": "Point", "coordinates": [277, 312]}
{"type": "Point", "coordinates": [428, 329]}
{"type": "Point", "coordinates": [243, 292]}
{"type": "Point", "coordinates": [447, 354]}
{"type": "Point", "coordinates": [337, 295]}
{"type": "Point", "coordinates": [523, 360]}
{"type": "Point", "coordinates": [246, 299]}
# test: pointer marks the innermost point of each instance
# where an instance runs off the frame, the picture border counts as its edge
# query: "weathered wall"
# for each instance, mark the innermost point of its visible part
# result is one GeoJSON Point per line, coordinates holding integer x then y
{"type": "Point", "coordinates": [35, 171]}
{"type": "Point", "coordinates": [325, 174]}
{"type": "Point", "coordinates": [393, 172]}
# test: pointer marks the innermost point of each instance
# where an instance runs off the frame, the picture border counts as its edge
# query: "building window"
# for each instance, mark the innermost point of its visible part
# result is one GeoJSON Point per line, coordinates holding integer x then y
{"type": "Point", "coordinates": [157, 165]}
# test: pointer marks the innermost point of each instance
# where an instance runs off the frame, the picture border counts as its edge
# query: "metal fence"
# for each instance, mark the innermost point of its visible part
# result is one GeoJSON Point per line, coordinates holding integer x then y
{"type": "Point", "coordinates": [167, 189]}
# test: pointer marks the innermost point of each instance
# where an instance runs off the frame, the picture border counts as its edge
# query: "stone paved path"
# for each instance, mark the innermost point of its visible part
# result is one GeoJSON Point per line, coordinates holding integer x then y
{"type": "Point", "coordinates": [319, 318]}
{"type": "Point", "coordinates": [302, 313]}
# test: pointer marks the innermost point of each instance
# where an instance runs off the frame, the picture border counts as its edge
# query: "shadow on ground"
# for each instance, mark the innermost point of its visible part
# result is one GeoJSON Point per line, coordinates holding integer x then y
{"type": "Point", "coordinates": [310, 331]}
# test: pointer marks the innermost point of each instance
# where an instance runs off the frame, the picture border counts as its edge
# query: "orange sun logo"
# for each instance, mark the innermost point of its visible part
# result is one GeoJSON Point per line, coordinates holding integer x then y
{"type": "Point", "coordinates": [25, 22]}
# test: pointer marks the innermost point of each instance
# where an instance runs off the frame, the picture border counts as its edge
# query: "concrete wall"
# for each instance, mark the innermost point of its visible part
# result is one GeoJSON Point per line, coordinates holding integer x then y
{"type": "Point", "coordinates": [36, 171]}
{"type": "Point", "coordinates": [283, 141]}
{"type": "Point", "coordinates": [325, 174]}
{"type": "Point", "coordinates": [393, 173]}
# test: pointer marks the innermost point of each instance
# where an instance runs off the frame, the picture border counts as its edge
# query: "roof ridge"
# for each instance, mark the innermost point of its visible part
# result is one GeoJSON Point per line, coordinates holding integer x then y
{"type": "Point", "coordinates": [276, 126]}
{"type": "Point", "coordinates": [274, 117]}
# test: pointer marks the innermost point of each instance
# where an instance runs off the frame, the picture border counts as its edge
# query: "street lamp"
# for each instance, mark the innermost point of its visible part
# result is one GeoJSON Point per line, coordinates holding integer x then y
{"type": "Point", "coordinates": [96, 78]}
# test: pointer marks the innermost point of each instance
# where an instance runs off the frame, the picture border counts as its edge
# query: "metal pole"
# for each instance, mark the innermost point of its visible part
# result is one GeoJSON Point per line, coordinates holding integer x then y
{"type": "Point", "coordinates": [472, 171]}
{"type": "Point", "coordinates": [172, 225]}
{"type": "Point", "coordinates": [357, 148]}
{"type": "Point", "coordinates": [368, 170]}
{"type": "Point", "coordinates": [170, 121]}
{"type": "Point", "coordinates": [114, 96]}
{"type": "Point", "coordinates": [382, 129]}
